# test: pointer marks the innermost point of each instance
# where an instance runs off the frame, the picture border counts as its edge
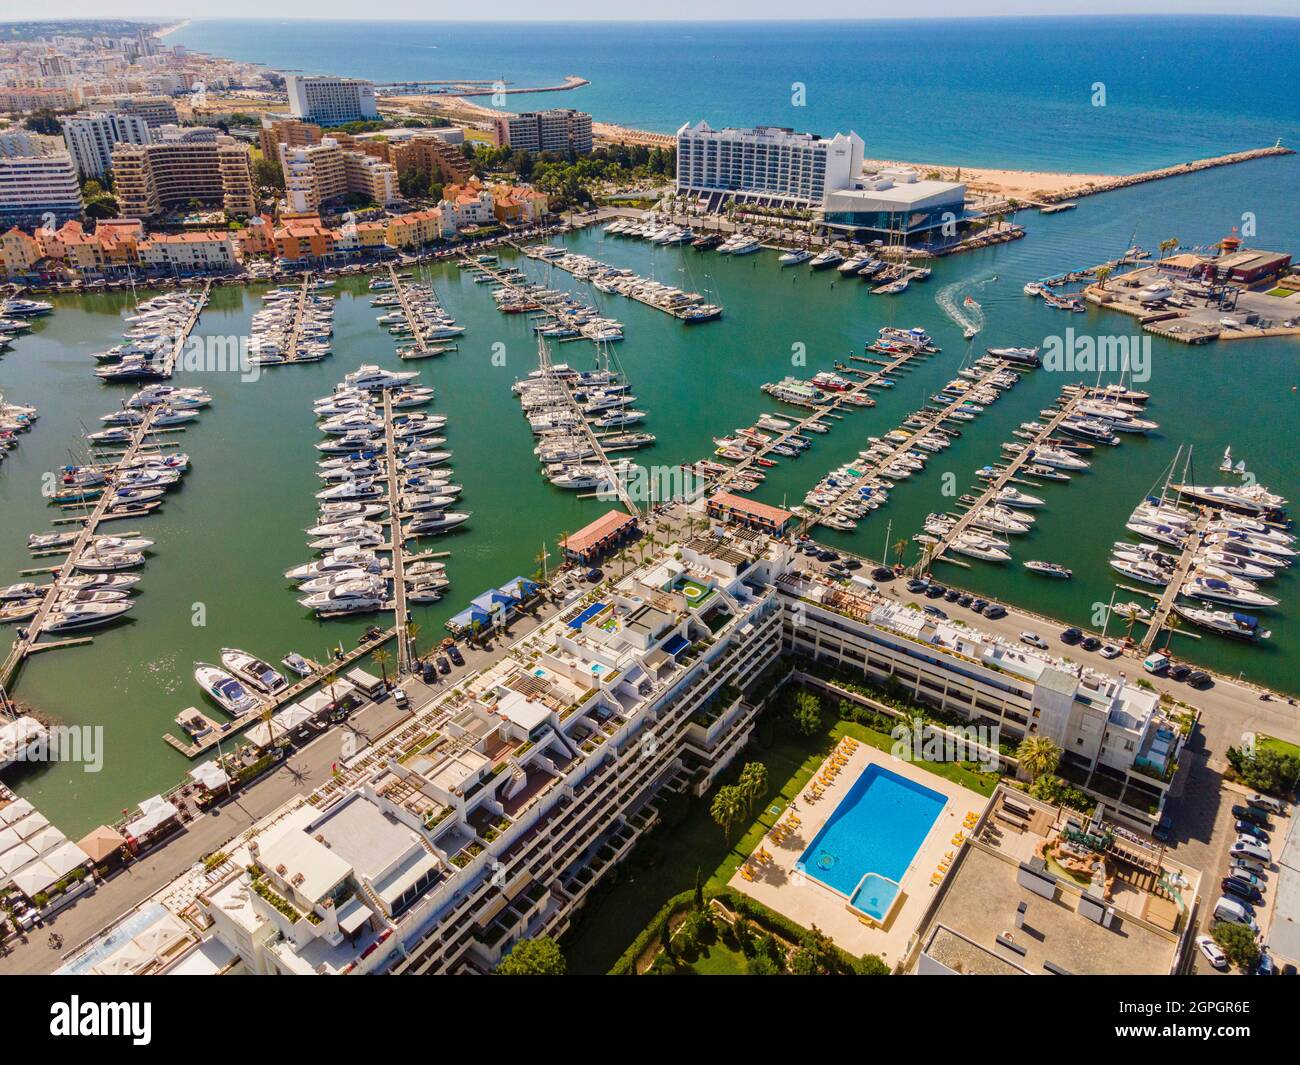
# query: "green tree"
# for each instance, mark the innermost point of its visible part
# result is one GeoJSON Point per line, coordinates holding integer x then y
{"type": "Point", "coordinates": [807, 713]}
{"type": "Point", "coordinates": [871, 965]}
{"type": "Point", "coordinates": [814, 956]}
{"type": "Point", "coordinates": [753, 784]}
{"type": "Point", "coordinates": [1238, 943]}
{"type": "Point", "coordinates": [762, 965]}
{"type": "Point", "coordinates": [666, 937]}
{"type": "Point", "coordinates": [534, 957]}
{"type": "Point", "coordinates": [727, 807]}
{"type": "Point", "coordinates": [1038, 756]}
{"type": "Point", "coordinates": [383, 658]}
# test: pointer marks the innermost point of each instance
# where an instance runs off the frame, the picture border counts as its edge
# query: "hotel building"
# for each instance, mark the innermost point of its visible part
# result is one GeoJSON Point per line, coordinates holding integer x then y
{"type": "Point", "coordinates": [560, 130]}
{"type": "Point", "coordinates": [38, 185]}
{"type": "Point", "coordinates": [1117, 741]}
{"type": "Point", "coordinates": [155, 110]}
{"type": "Point", "coordinates": [90, 137]}
{"type": "Point", "coordinates": [767, 166]}
{"type": "Point", "coordinates": [328, 101]}
{"type": "Point", "coordinates": [193, 164]}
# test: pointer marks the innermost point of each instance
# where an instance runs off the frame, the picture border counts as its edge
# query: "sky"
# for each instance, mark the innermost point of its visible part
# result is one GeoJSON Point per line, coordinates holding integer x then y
{"type": "Point", "coordinates": [663, 10]}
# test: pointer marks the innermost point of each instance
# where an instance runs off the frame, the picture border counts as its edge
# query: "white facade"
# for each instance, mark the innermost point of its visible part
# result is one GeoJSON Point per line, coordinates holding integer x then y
{"type": "Point", "coordinates": [38, 189]}
{"type": "Point", "coordinates": [766, 165]}
{"type": "Point", "coordinates": [90, 138]}
{"type": "Point", "coordinates": [330, 101]}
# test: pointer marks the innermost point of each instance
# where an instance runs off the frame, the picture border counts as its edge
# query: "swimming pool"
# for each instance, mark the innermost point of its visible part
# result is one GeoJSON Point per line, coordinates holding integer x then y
{"type": "Point", "coordinates": [874, 833]}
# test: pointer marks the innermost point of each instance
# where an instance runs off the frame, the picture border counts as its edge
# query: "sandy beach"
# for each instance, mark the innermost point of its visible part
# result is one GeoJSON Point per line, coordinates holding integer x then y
{"type": "Point", "coordinates": [1019, 184]}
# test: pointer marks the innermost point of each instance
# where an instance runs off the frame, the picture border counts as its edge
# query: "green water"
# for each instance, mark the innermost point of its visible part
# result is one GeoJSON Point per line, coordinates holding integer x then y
{"type": "Point", "coordinates": [225, 538]}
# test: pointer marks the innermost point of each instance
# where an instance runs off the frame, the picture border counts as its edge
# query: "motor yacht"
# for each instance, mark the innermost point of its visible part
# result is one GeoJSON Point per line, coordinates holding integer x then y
{"type": "Point", "coordinates": [224, 690]}
{"type": "Point", "coordinates": [252, 670]}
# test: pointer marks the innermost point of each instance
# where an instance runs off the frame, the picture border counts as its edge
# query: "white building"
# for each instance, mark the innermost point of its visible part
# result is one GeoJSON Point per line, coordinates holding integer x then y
{"type": "Point", "coordinates": [562, 130]}
{"type": "Point", "coordinates": [38, 186]}
{"type": "Point", "coordinates": [330, 101]}
{"type": "Point", "coordinates": [768, 165]}
{"type": "Point", "coordinates": [896, 200]}
{"type": "Point", "coordinates": [90, 138]}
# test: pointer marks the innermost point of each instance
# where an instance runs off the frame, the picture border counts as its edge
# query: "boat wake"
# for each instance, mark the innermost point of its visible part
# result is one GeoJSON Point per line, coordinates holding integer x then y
{"type": "Point", "coordinates": [966, 314]}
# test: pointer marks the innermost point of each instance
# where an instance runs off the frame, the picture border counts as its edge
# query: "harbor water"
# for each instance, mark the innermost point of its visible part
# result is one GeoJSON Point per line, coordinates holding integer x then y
{"type": "Point", "coordinates": [226, 536]}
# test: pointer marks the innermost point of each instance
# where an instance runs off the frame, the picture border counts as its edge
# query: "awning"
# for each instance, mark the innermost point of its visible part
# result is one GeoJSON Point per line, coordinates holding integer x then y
{"type": "Point", "coordinates": [31, 824]}
{"type": "Point", "coordinates": [46, 839]}
{"type": "Point", "coordinates": [292, 716]}
{"type": "Point", "coordinates": [65, 858]}
{"type": "Point", "coordinates": [15, 858]}
{"type": "Point", "coordinates": [32, 879]}
{"type": "Point", "coordinates": [101, 843]}
{"type": "Point", "coordinates": [210, 775]}
{"type": "Point", "coordinates": [155, 813]}
{"type": "Point", "coordinates": [15, 811]}
{"type": "Point", "coordinates": [353, 915]}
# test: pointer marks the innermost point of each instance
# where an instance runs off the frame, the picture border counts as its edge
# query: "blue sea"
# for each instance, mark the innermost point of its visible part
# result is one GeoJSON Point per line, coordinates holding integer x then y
{"type": "Point", "coordinates": [1110, 95]}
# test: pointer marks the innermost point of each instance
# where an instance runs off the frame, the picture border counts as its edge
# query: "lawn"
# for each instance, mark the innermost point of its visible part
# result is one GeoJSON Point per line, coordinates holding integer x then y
{"type": "Point", "coordinates": [716, 959]}
{"type": "Point", "coordinates": [666, 862]}
{"type": "Point", "coordinates": [1272, 743]}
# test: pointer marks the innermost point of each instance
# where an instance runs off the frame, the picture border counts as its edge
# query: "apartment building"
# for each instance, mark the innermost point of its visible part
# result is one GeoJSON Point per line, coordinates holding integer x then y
{"type": "Point", "coordinates": [277, 130]}
{"type": "Point", "coordinates": [469, 204]}
{"type": "Point", "coordinates": [47, 99]}
{"type": "Point", "coordinates": [190, 165]}
{"type": "Point", "coordinates": [187, 253]}
{"type": "Point", "coordinates": [418, 228]}
{"type": "Point", "coordinates": [427, 153]}
{"type": "Point", "coordinates": [90, 137]}
{"type": "Point", "coordinates": [155, 110]}
{"type": "Point", "coordinates": [38, 185]}
{"type": "Point", "coordinates": [767, 165]}
{"type": "Point", "coordinates": [1117, 740]}
{"type": "Point", "coordinates": [329, 101]}
{"type": "Point", "coordinates": [560, 130]}
{"type": "Point", "coordinates": [319, 174]}
{"type": "Point", "coordinates": [495, 811]}
{"type": "Point", "coordinates": [517, 204]}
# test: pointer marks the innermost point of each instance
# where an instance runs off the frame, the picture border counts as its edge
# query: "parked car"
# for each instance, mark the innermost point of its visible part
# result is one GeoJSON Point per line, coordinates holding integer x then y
{"type": "Point", "coordinates": [1034, 640]}
{"type": "Point", "coordinates": [935, 591]}
{"type": "Point", "coordinates": [882, 573]}
{"type": "Point", "coordinates": [1245, 847]}
{"type": "Point", "coordinates": [1245, 830]}
{"type": "Point", "coordinates": [1164, 829]}
{"type": "Point", "coordinates": [1243, 870]}
{"type": "Point", "coordinates": [1110, 651]}
{"type": "Point", "coordinates": [935, 612]}
{"type": "Point", "coordinates": [965, 600]}
{"type": "Point", "coordinates": [453, 652]}
{"type": "Point", "coordinates": [951, 595]}
{"type": "Point", "coordinates": [1230, 885]}
{"type": "Point", "coordinates": [1266, 802]}
{"type": "Point", "coordinates": [994, 611]}
{"type": "Point", "coordinates": [594, 575]}
{"type": "Point", "coordinates": [1180, 671]}
{"type": "Point", "coordinates": [1266, 966]}
{"type": "Point", "coordinates": [1198, 678]}
{"type": "Point", "coordinates": [1071, 635]}
{"type": "Point", "coordinates": [978, 605]}
{"type": "Point", "coordinates": [852, 563]}
{"type": "Point", "coordinates": [1212, 953]}
{"type": "Point", "coordinates": [1091, 643]}
{"type": "Point", "coordinates": [1249, 813]}
{"type": "Point", "coordinates": [917, 585]}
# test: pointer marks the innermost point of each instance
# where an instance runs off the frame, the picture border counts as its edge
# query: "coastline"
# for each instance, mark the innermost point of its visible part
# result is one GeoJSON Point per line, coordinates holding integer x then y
{"type": "Point", "coordinates": [172, 29]}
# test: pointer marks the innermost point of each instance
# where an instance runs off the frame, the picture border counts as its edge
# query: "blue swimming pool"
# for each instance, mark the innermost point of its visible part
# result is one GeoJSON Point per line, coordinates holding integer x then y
{"type": "Point", "coordinates": [876, 829]}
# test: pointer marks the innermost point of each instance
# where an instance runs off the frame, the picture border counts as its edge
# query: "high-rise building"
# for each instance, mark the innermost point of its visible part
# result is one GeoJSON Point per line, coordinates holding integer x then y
{"type": "Point", "coordinates": [284, 129]}
{"type": "Point", "coordinates": [38, 186]}
{"type": "Point", "coordinates": [90, 137]}
{"type": "Point", "coordinates": [558, 130]}
{"type": "Point", "coordinates": [330, 101]}
{"type": "Point", "coordinates": [315, 175]}
{"type": "Point", "coordinates": [767, 165]}
{"type": "Point", "coordinates": [199, 164]}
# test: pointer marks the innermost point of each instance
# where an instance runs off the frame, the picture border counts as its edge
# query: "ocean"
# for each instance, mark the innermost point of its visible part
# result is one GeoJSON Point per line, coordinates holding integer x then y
{"type": "Point", "coordinates": [1089, 95]}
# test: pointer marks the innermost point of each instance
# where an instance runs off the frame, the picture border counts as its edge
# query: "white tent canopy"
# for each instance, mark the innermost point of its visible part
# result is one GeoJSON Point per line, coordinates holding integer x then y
{"type": "Point", "coordinates": [15, 858]}
{"type": "Point", "coordinates": [154, 812]}
{"type": "Point", "coordinates": [46, 839]}
{"type": "Point", "coordinates": [65, 858]}
{"type": "Point", "coordinates": [32, 879]}
{"type": "Point", "coordinates": [15, 811]}
{"type": "Point", "coordinates": [210, 775]}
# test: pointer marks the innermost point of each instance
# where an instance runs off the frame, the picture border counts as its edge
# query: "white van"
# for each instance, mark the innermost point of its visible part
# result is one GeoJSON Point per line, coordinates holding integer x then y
{"type": "Point", "coordinates": [1155, 663]}
{"type": "Point", "coordinates": [865, 583]}
{"type": "Point", "coordinates": [1233, 913]}
{"type": "Point", "coordinates": [1246, 848]}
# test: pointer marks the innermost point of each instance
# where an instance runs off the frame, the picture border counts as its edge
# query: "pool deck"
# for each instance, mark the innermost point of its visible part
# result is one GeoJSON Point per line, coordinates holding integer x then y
{"type": "Point", "coordinates": [778, 885]}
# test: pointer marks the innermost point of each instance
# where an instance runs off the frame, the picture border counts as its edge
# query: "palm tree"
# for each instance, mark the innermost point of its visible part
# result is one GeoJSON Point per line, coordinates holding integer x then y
{"type": "Point", "coordinates": [1131, 616]}
{"type": "Point", "coordinates": [383, 658]}
{"type": "Point", "coordinates": [1038, 756]}
{"type": "Point", "coordinates": [900, 549]}
{"type": "Point", "coordinates": [1103, 275]}
{"type": "Point", "coordinates": [1172, 625]}
{"type": "Point", "coordinates": [753, 784]}
{"type": "Point", "coordinates": [1167, 245]}
{"type": "Point", "coordinates": [726, 808]}
{"type": "Point", "coordinates": [330, 679]}
{"type": "Point", "coordinates": [412, 633]}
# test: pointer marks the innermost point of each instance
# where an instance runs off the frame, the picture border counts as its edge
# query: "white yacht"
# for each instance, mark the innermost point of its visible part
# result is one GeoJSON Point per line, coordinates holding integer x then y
{"type": "Point", "coordinates": [1013, 497]}
{"type": "Point", "coordinates": [1225, 622]}
{"type": "Point", "coordinates": [225, 690]}
{"type": "Point", "coordinates": [795, 257]}
{"type": "Point", "coordinates": [68, 616]}
{"type": "Point", "coordinates": [1226, 590]}
{"type": "Point", "coordinates": [252, 670]}
{"type": "Point", "coordinates": [351, 597]}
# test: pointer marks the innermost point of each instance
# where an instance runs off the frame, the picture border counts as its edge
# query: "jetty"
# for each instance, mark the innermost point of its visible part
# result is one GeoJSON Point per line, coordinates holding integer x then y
{"type": "Point", "coordinates": [1160, 613]}
{"type": "Point", "coordinates": [400, 606]}
{"type": "Point", "coordinates": [26, 643]}
{"type": "Point", "coordinates": [182, 338]}
{"type": "Point", "coordinates": [994, 486]}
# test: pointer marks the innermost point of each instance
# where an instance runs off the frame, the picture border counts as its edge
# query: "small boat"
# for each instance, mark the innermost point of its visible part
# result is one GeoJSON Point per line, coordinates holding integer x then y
{"type": "Point", "coordinates": [296, 663]}
{"type": "Point", "coordinates": [1049, 569]}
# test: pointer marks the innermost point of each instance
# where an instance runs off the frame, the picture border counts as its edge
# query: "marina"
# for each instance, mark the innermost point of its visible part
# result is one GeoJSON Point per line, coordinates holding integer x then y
{"type": "Point", "coordinates": [251, 421]}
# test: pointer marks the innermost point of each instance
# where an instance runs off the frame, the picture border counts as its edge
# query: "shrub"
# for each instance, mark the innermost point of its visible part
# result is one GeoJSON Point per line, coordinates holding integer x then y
{"type": "Point", "coordinates": [1238, 943]}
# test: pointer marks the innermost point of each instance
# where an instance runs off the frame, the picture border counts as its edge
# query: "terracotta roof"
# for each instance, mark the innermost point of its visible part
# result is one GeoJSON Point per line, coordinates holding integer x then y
{"type": "Point", "coordinates": [589, 535]}
{"type": "Point", "coordinates": [751, 507]}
